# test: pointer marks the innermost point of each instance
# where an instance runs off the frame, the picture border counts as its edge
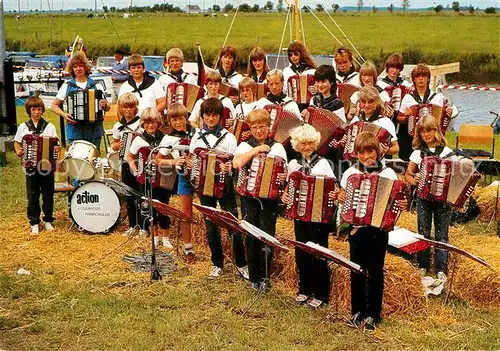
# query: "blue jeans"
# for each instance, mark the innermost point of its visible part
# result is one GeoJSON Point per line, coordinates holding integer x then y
{"type": "Point", "coordinates": [426, 210]}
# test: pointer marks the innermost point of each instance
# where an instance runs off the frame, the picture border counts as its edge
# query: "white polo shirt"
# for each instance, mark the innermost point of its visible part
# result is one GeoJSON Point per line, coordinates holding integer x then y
{"type": "Point", "coordinates": [385, 172]}
{"type": "Point", "coordinates": [322, 168]}
{"type": "Point", "coordinates": [385, 123]}
{"type": "Point", "coordinates": [134, 127]}
{"type": "Point", "coordinates": [22, 130]}
{"type": "Point", "coordinates": [415, 155]}
{"type": "Point", "coordinates": [195, 116]}
{"type": "Point", "coordinates": [149, 95]}
{"type": "Point", "coordinates": [228, 143]}
{"type": "Point", "coordinates": [244, 108]}
{"type": "Point", "coordinates": [276, 150]}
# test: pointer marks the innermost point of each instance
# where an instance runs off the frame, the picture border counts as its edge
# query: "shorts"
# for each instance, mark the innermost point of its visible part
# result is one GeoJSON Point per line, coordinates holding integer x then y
{"type": "Point", "coordinates": [184, 186]}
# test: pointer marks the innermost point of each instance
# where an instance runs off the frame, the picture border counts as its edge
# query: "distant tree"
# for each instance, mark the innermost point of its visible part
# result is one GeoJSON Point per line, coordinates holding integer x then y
{"type": "Point", "coordinates": [390, 8]}
{"type": "Point", "coordinates": [228, 8]}
{"type": "Point", "coordinates": [455, 5]}
{"type": "Point", "coordinates": [255, 8]}
{"type": "Point", "coordinates": [374, 9]}
{"type": "Point", "coordinates": [268, 6]}
{"type": "Point", "coordinates": [105, 9]}
{"type": "Point", "coordinates": [471, 9]}
{"type": "Point", "coordinates": [305, 8]}
{"type": "Point", "coordinates": [405, 4]}
{"type": "Point", "coordinates": [319, 8]}
{"type": "Point", "coordinates": [438, 8]}
{"type": "Point", "coordinates": [245, 7]}
{"type": "Point", "coordinates": [490, 10]}
{"type": "Point", "coordinates": [216, 8]}
{"type": "Point", "coordinates": [112, 9]}
{"type": "Point", "coordinates": [360, 5]}
{"type": "Point", "coordinates": [335, 7]}
{"type": "Point", "coordinates": [279, 7]}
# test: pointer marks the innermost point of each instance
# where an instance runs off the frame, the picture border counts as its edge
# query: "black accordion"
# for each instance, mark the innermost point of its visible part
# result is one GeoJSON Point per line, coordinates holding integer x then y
{"type": "Point", "coordinates": [83, 105]}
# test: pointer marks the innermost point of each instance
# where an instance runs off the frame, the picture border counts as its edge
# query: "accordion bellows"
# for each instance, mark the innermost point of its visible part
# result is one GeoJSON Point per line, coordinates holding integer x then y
{"type": "Point", "coordinates": [83, 105]}
{"type": "Point", "coordinates": [328, 124]}
{"type": "Point", "coordinates": [116, 158]}
{"type": "Point", "coordinates": [372, 200]}
{"type": "Point", "coordinates": [308, 199]}
{"type": "Point", "coordinates": [345, 91]}
{"type": "Point", "coordinates": [162, 176]}
{"type": "Point", "coordinates": [207, 177]}
{"type": "Point", "coordinates": [260, 178]}
{"type": "Point", "coordinates": [353, 130]}
{"type": "Point", "coordinates": [282, 123]}
{"type": "Point", "coordinates": [447, 180]}
{"type": "Point", "coordinates": [298, 88]}
{"type": "Point", "coordinates": [420, 110]}
{"type": "Point", "coordinates": [397, 93]}
{"type": "Point", "coordinates": [182, 93]}
{"type": "Point", "coordinates": [38, 152]}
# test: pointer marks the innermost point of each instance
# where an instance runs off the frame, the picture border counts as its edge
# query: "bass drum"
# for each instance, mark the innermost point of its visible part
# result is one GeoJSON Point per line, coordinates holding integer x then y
{"type": "Point", "coordinates": [80, 158]}
{"type": "Point", "coordinates": [95, 207]}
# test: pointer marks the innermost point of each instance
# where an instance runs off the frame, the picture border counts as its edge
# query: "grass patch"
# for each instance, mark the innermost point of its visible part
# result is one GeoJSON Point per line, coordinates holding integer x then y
{"type": "Point", "coordinates": [435, 39]}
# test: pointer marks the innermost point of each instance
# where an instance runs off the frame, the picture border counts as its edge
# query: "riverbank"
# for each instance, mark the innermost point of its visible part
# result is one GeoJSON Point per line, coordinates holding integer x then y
{"type": "Point", "coordinates": [420, 36]}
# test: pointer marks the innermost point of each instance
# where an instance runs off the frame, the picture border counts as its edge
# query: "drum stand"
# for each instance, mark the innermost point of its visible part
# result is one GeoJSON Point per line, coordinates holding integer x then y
{"type": "Point", "coordinates": [148, 212]}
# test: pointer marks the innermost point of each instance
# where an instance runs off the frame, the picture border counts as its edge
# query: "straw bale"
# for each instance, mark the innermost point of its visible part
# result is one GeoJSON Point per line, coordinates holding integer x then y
{"type": "Point", "coordinates": [485, 198]}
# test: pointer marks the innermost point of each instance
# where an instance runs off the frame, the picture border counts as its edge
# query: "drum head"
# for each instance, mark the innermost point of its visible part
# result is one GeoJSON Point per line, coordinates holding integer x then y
{"type": "Point", "coordinates": [78, 168]}
{"type": "Point", "coordinates": [95, 207]}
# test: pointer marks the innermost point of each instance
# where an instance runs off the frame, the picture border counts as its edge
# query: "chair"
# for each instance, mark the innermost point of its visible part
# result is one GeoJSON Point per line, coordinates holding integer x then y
{"type": "Point", "coordinates": [475, 135]}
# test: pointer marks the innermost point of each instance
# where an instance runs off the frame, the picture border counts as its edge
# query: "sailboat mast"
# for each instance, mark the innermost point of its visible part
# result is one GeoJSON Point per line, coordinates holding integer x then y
{"type": "Point", "coordinates": [297, 20]}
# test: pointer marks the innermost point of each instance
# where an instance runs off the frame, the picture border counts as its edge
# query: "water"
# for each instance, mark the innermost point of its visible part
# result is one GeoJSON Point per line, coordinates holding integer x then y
{"type": "Point", "coordinates": [474, 106]}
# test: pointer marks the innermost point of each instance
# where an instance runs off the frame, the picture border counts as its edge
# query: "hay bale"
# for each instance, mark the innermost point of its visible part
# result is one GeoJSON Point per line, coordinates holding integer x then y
{"type": "Point", "coordinates": [486, 198]}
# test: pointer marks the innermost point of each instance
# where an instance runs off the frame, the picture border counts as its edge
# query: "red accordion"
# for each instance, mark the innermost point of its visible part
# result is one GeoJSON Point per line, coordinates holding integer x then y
{"type": "Point", "coordinates": [308, 198]}
{"type": "Point", "coordinates": [261, 90]}
{"type": "Point", "coordinates": [373, 200]}
{"type": "Point", "coordinates": [298, 88]}
{"type": "Point", "coordinates": [328, 124]}
{"type": "Point", "coordinates": [353, 130]}
{"type": "Point", "coordinates": [39, 152]}
{"type": "Point", "coordinates": [397, 93]}
{"type": "Point", "coordinates": [345, 91]}
{"type": "Point", "coordinates": [260, 179]}
{"type": "Point", "coordinates": [447, 180]}
{"type": "Point", "coordinates": [207, 177]}
{"type": "Point", "coordinates": [239, 127]}
{"type": "Point", "coordinates": [282, 122]}
{"type": "Point", "coordinates": [142, 160]}
{"type": "Point", "coordinates": [439, 113]}
{"type": "Point", "coordinates": [183, 93]}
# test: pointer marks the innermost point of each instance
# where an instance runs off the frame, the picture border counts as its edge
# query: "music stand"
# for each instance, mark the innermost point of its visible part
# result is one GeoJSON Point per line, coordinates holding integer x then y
{"type": "Point", "coordinates": [269, 241]}
{"type": "Point", "coordinates": [329, 255]}
{"type": "Point", "coordinates": [223, 219]}
{"type": "Point", "coordinates": [449, 247]}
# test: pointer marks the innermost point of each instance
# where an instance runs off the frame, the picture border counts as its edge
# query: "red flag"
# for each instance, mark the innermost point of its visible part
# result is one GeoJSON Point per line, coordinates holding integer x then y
{"type": "Point", "coordinates": [201, 71]}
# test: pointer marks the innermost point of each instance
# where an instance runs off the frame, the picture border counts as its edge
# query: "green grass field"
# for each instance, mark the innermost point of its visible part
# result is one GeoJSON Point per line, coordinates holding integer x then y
{"type": "Point", "coordinates": [421, 37]}
{"type": "Point", "coordinates": [81, 296]}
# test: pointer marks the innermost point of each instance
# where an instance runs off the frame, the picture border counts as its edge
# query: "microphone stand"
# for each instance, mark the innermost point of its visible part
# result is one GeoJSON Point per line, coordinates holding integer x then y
{"type": "Point", "coordinates": [148, 201]}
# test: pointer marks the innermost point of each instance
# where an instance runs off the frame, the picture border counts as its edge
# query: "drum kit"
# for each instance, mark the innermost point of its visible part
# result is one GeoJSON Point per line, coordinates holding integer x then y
{"type": "Point", "coordinates": [95, 206]}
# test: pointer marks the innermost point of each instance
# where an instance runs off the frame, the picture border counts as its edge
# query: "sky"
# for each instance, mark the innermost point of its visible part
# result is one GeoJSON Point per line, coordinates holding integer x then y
{"type": "Point", "coordinates": [26, 5]}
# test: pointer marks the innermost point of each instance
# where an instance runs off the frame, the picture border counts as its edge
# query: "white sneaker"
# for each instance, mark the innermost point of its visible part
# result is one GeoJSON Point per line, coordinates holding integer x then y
{"type": "Point", "coordinates": [130, 232]}
{"type": "Point", "coordinates": [143, 233]}
{"type": "Point", "coordinates": [35, 230]}
{"type": "Point", "coordinates": [244, 272]}
{"type": "Point", "coordinates": [48, 226]}
{"type": "Point", "coordinates": [442, 277]}
{"type": "Point", "coordinates": [422, 272]}
{"type": "Point", "coordinates": [157, 241]}
{"type": "Point", "coordinates": [215, 272]}
{"type": "Point", "coordinates": [166, 243]}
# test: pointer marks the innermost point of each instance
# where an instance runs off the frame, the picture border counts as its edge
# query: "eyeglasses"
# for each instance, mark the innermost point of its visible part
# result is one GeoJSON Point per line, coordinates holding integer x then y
{"type": "Point", "coordinates": [294, 53]}
{"type": "Point", "coordinates": [259, 127]}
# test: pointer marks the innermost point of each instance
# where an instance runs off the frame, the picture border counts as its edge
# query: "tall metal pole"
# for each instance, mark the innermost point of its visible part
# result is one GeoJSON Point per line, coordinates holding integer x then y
{"type": "Point", "coordinates": [3, 55]}
{"type": "Point", "coordinates": [297, 22]}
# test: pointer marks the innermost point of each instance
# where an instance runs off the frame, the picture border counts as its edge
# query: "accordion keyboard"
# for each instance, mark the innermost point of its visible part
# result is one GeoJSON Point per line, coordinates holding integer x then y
{"type": "Point", "coordinates": [396, 98]}
{"type": "Point", "coordinates": [179, 94]}
{"type": "Point", "coordinates": [438, 179]}
{"type": "Point", "coordinates": [424, 110]}
{"type": "Point", "coordinates": [252, 178]}
{"type": "Point", "coordinates": [364, 194]}
{"type": "Point", "coordinates": [273, 115]}
{"type": "Point", "coordinates": [195, 173]}
{"type": "Point", "coordinates": [30, 150]}
{"type": "Point", "coordinates": [351, 137]}
{"type": "Point", "coordinates": [302, 203]}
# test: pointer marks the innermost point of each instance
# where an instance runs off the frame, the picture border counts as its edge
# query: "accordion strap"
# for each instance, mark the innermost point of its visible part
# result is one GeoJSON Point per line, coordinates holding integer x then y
{"type": "Point", "coordinates": [203, 136]}
{"type": "Point", "coordinates": [306, 167]}
{"type": "Point", "coordinates": [42, 124]}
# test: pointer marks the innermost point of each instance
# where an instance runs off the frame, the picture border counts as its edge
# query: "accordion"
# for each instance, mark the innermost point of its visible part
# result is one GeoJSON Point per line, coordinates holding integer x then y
{"type": "Point", "coordinates": [345, 91]}
{"type": "Point", "coordinates": [373, 200]}
{"type": "Point", "coordinates": [328, 124]}
{"type": "Point", "coordinates": [239, 127]}
{"type": "Point", "coordinates": [260, 178]}
{"type": "Point", "coordinates": [116, 158]}
{"type": "Point", "coordinates": [261, 90]}
{"type": "Point", "coordinates": [183, 93]}
{"type": "Point", "coordinates": [83, 105]}
{"type": "Point", "coordinates": [353, 130]}
{"type": "Point", "coordinates": [183, 170]}
{"type": "Point", "coordinates": [207, 177]}
{"type": "Point", "coordinates": [227, 89]}
{"type": "Point", "coordinates": [439, 113]}
{"type": "Point", "coordinates": [282, 122]}
{"type": "Point", "coordinates": [142, 160]}
{"type": "Point", "coordinates": [447, 180]}
{"type": "Point", "coordinates": [39, 152]}
{"type": "Point", "coordinates": [397, 93]}
{"type": "Point", "coordinates": [298, 88]}
{"type": "Point", "coordinates": [308, 198]}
